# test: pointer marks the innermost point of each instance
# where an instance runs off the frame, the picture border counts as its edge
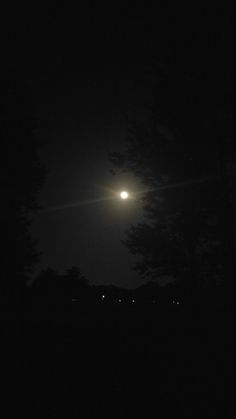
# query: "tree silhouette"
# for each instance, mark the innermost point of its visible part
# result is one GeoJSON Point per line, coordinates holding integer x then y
{"type": "Point", "coordinates": [77, 284]}
{"type": "Point", "coordinates": [74, 274]}
{"type": "Point", "coordinates": [21, 177]}
{"type": "Point", "coordinates": [53, 288]}
{"type": "Point", "coordinates": [47, 286]}
{"type": "Point", "coordinates": [181, 149]}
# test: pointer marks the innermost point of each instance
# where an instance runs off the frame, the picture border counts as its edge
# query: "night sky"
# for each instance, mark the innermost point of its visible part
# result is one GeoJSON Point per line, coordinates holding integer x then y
{"type": "Point", "coordinates": [90, 356]}
{"type": "Point", "coordinates": [85, 70]}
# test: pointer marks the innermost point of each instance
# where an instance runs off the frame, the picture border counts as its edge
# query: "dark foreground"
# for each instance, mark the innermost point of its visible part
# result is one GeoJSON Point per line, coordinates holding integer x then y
{"type": "Point", "coordinates": [119, 362]}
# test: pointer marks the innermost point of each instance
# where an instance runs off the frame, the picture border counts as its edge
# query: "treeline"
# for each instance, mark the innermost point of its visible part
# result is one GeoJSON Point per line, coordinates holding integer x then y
{"type": "Point", "coordinates": [72, 287]}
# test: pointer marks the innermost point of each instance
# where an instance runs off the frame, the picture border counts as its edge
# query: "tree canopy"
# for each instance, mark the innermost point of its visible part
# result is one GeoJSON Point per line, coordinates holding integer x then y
{"type": "Point", "coordinates": [182, 150]}
{"type": "Point", "coordinates": [21, 176]}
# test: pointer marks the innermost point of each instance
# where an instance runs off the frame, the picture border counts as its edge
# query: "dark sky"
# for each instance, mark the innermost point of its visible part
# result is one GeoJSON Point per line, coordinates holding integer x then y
{"type": "Point", "coordinates": [86, 71]}
{"type": "Point", "coordinates": [87, 68]}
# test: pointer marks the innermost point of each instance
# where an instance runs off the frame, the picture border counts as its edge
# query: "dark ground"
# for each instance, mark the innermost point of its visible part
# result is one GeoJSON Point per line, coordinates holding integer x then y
{"type": "Point", "coordinates": [121, 362]}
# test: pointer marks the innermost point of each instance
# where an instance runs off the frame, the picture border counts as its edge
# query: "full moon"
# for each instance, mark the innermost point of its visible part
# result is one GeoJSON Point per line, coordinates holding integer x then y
{"type": "Point", "coordinates": [124, 195]}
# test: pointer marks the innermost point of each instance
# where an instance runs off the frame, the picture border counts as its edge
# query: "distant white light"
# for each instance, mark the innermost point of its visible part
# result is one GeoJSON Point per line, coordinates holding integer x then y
{"type": "Point", "coordinates": [103, 296]}
{"type": "Point", "coordinates": [119, 300]}
{"type": "Point", "coordinates": [177, 302]}
{"type": "Point", "coordinates": [124, 195]}
{"type": "Point", "coordinates": [133, 301]}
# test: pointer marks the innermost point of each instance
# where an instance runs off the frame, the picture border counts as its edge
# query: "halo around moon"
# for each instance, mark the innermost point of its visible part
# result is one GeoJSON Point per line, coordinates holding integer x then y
{"type": "Point", "coordinates": [124, 195]}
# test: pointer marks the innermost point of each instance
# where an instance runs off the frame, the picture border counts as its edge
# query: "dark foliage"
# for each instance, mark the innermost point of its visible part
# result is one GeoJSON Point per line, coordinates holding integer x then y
{"type": "Point", "coordinates": [183, 151]}
{"type": "Point", "coordinates": [52, 288]}
{"type": "Point", "coordinates": [21, 177]}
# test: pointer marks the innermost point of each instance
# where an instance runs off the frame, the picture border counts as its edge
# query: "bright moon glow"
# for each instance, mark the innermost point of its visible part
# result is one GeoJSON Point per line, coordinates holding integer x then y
{"type": "Point", "coordinates": [124, 195]}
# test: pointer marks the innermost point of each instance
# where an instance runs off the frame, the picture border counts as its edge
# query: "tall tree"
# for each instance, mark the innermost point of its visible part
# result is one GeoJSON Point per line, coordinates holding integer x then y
{"type": "Point", "coordinates": [21, 177]}
{"type": "Point", "coordinates": [179, 150]}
